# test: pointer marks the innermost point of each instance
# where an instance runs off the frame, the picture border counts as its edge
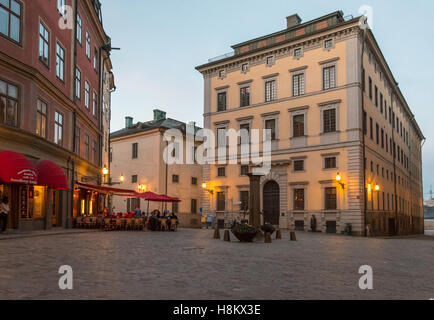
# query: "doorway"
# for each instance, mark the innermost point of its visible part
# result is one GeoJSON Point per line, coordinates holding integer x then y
{"type": "Point", "coordinates": [271, 196]}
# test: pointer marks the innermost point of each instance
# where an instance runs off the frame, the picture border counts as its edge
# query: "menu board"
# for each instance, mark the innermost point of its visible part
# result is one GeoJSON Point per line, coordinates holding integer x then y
{"type": "Point", "coordinates": [23, 202]}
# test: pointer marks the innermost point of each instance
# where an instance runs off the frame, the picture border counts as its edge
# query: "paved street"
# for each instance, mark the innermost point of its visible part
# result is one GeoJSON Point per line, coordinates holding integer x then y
{"type": "Point", "coordinates": [189, 264]}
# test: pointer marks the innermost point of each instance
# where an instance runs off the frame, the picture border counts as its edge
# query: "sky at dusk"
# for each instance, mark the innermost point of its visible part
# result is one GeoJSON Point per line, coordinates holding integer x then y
{"type": "Point", "coordinates": [163, 41]}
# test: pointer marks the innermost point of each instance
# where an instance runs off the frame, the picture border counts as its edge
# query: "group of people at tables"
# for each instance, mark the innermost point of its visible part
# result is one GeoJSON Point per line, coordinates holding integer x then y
{"type": "Point", "coordinates": [154, 221]}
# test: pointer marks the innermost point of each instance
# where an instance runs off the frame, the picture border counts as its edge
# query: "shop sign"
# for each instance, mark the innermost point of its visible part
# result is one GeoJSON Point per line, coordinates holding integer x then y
{"type": "Point", "coordinates": [26, 176]}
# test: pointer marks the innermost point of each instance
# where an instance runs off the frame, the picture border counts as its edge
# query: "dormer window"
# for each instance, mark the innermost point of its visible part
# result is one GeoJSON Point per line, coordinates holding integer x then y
{"type": "Point", "coordinates": [245, 67]}
{"type": "Point", "coordinates": [297, 53]}
{"type": "Point", "coordinates": [270, 61]}
{"type": "Point", "coordinates": [328, 44]}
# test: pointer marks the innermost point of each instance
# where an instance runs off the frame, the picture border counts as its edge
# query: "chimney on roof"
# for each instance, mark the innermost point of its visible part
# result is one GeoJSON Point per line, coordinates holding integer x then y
{"type": "Point", "coordinates": [128, 122]}
{"type": "Point", "coordinates": [293, 20]}
{"type": "Point", "coordinates": [159, 115]}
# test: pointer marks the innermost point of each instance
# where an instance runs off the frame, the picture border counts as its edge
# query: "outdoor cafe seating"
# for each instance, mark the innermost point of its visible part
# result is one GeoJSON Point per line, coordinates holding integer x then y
{"type": "Point", "coordinates": [121, 223]}
{"type": "Point", "coordinates": [128, 222]}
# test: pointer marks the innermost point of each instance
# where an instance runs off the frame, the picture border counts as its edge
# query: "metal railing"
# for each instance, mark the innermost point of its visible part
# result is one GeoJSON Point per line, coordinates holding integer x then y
{"type": "Point", "coordinates": [223, 56]}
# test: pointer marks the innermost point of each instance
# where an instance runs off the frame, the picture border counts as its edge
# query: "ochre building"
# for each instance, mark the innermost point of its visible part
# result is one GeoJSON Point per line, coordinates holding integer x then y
{"type": "Point", "coordinates": [346, 147]}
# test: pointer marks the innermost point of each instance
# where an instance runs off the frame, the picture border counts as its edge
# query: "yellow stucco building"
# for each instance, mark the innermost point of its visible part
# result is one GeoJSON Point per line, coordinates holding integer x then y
{"type": "Point", "coordinates": [137, 155]}
{"type": "Point", "coordinates": [332, 115]}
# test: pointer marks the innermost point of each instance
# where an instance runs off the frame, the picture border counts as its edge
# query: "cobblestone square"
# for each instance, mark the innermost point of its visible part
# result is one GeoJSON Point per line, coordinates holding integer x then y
{"type": "Point", "coordinates": [189, 264]}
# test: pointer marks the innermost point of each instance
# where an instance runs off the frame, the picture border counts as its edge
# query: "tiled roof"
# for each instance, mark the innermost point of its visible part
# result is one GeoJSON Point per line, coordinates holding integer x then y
{"type": "Point", "coordinates": [151, 125]}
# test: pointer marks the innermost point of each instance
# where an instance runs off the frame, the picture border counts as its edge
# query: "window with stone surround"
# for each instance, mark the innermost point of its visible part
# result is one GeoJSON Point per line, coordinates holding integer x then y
{"type": "Point", "coordinates": [298, 125]}
{"type": "Point", "coordinates": [41, 119]}
{"type": "Point", "coordinates": [329, 78]}
{"type": "Point", "coordinates": [298, 165]}
{"type": "Point", "coordinates": [298, 84]}
{"type": "Point", "coordinates": [329, 120]}
{"type": "Point", "coordinates": [221, 101]}
{"type": "Point", "coordinates": [330, 198]}
{"type": "Point", "coordinates": [58, 128]}
{"type": "Point", "coordinates": [270, 90]}
{"type": "Point", "coordinates": [299, 199]}
{"type": "Point", "coordinates": [245, 96]}
{"type": "Point", "coordinates": [221, 201]}
{"type": "Point", "coordinates": [8, 104]}
{"type": "Point", "coordinates": [330, 163]}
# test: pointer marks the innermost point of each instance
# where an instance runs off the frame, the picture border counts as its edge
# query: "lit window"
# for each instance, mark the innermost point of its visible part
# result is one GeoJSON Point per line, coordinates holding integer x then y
{"type": "Point", "coordinates": [41, 119]}
{"type": "Point", "coordinates": [8, 104]}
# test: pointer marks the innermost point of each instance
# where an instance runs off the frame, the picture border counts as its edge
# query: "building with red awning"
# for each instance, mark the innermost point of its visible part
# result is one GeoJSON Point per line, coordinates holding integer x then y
{"type": "Point", "coordinates": [55, 108]}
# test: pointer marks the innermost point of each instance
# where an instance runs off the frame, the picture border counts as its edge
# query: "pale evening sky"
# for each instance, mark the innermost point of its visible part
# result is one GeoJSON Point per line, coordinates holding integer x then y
{"type": "Point", "coordinates": [162, 41]}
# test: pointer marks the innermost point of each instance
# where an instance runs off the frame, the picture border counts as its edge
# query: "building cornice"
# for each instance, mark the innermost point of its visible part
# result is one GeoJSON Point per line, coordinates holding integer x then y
{"type": "Point", "coordinates": [337, 30]}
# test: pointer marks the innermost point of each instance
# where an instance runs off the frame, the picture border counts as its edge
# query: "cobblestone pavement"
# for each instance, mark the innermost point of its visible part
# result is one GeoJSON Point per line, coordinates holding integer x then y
{"type": "Point", "coordinates": [189, 264]}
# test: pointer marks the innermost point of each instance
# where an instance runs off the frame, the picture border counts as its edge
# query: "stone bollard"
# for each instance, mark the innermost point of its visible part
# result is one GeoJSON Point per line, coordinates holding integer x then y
{"type": "Point", "coordinates": [227, 236]}
{"type": "Point", "coordinates": [278, 235]}
{"type": "Point", "coordinates": [267, 237]}
{"type": "Point", "coordinates": [293, 237]}
{"type": "Point", "coordinates": [216, 233]}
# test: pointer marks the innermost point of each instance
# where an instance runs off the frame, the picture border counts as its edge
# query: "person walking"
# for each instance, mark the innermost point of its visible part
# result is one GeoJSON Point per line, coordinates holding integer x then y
{"type": "Point", "coordinates": [137, 212]}
{"type": "Point", "coordinates": [313, 223]}
{"type": "Point", "coordinates": [209, 220]}
{"type": "Point", "coordinates": [4, 213]}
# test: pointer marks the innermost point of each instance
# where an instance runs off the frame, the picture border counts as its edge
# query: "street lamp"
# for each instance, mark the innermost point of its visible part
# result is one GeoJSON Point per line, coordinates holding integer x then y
{"type": "Point", "coordinates": [377, 187]}
{"type": "Point", "coordinates": [205, 187]}
{"type": "Point", "coordinates": [105, 171]}
{"type": "Point", "coordinates": [338, 180]}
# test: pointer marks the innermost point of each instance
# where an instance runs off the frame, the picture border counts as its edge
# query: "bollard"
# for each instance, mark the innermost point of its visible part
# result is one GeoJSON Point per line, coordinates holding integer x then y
{"type": "Point", "coordinates": [267, 237]}
{"type": "Point", "coordinates": [259, 236]}
{"type": "Point", "coordinates": [278, 235]}
{"type": "Point", "coordinates": [216, 233]}
{"type": "Point", "coordinates": [293, 237]}
{"type": "Point", "coordinates": [227, 236]}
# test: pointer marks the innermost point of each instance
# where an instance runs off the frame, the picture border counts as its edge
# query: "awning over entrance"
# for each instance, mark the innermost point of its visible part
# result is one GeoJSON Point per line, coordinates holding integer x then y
{"type": "Point", "coordinates": [106, 190]}
{"type": "Point", "coordinates": [51, 175]}
{"type": "Point", "coordinates": [16, 168]}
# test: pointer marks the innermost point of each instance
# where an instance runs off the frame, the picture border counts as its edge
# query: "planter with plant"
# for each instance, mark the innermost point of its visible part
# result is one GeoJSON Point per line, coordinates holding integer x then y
{"type": "Point", "coordinates": [244, 232]}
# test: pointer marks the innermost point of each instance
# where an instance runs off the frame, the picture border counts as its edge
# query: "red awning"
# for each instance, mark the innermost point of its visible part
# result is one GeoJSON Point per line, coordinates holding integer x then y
{"type": "Point", "coordinates": [106, 190]}
{"type": "Point", "coordinates": [51, 175]}
{"type": "Point", "coordinates": [16, 168]}
{"type": "Point", "coordinates": [169, 199]}
{"type": "Point", "coordinates": [150, 196]}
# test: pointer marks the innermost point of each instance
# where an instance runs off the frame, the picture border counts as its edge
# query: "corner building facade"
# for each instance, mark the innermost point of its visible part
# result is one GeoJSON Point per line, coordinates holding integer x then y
{"type": "Point", "coordinates": [308, 85]}
{"type": "Point", "coordinates": [51, 79]}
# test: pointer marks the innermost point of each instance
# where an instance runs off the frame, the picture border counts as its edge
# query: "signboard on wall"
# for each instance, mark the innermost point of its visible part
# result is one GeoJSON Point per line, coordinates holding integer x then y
{"type": "Point", "coordinates": [23, 202]}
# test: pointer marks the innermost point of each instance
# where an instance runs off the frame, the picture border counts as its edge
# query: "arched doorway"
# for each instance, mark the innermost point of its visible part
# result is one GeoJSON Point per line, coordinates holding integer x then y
{"type": "Point", "coordinates": [271, 202]}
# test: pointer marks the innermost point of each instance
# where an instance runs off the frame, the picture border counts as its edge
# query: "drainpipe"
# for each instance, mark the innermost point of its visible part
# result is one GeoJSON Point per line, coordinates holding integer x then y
{"type": "Point", "coordinates": [74, 45]}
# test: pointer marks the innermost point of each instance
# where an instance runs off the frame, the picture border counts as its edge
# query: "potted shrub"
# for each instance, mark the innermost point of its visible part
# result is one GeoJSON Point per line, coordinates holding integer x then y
{"type": "Point", "coordinates": [244, 232]}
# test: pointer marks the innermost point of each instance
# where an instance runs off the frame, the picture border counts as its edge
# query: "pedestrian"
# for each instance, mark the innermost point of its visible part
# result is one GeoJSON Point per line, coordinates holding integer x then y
{"type": "Point", "coordinates": [209, 220]}
{"type": "Point", "coordinates": [137, 212]}
{"type": "Point", "coordinates": [313, 223]}
{"type": "Point", "coordinates": [4, 212]}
